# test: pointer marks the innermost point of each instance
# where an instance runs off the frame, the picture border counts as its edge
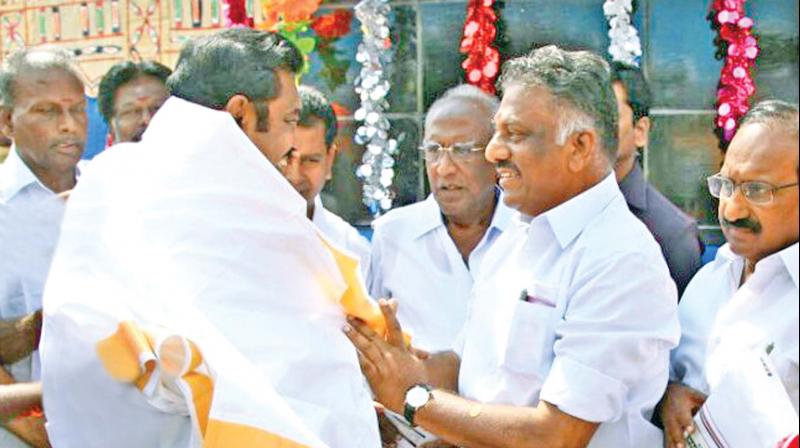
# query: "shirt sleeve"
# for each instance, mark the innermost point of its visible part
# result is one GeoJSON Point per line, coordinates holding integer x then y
{"type": "Point", "coordinates": [615, 336]}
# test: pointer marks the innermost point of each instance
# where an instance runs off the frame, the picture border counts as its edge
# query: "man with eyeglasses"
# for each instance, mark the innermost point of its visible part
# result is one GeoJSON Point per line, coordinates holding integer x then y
{"type": "Point", "coordinates": [129, 95]}
{"type": "Point", "coordinates": [746, 299]}
{"type": "Point", "coordinates": [427, 255]}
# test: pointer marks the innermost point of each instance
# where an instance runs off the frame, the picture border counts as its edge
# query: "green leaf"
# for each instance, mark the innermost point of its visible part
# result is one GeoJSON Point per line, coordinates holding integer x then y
{"type": "Point", "coordinates": [306, 44]}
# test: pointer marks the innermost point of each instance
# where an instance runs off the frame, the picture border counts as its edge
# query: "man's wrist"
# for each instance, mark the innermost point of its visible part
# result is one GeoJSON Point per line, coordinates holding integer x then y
{"type": "Point", "coordinates": [416, 398]}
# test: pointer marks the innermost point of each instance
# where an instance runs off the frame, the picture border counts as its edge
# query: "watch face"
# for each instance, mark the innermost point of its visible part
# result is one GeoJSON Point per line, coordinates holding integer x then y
{"type": "Point", "coordinates": [417, 396]}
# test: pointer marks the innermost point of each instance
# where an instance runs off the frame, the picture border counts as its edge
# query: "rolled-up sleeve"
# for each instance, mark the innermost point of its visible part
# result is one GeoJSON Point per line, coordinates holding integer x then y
{"type": "Point", "coordinates": [612, 345]}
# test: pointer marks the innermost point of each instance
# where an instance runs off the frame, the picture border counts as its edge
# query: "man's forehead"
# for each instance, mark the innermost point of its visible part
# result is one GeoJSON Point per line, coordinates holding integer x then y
{"type": "Point", "coordinates": [759, 150]}
{"type": "Point", "coordinates": [452, 120]}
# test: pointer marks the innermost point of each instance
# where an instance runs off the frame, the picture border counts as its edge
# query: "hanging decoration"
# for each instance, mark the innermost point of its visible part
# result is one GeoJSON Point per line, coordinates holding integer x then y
{"type": "Point", "coordinates": [372, 85]}
{"type": "Point", "coordinates": [739, 48]}
{"type": "Point", "coordinates": [625, 45]}
{"type": "Point", "coordinates": [235, 13]}
{"type": "Point", "coordinates": [483, 59]}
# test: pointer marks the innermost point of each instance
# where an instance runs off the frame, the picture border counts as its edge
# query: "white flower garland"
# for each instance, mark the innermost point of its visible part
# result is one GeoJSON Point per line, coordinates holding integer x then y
{"type": "Point", "coordinates": [625, 45]}
{"type": "Point", "coordinates": [372, 86]}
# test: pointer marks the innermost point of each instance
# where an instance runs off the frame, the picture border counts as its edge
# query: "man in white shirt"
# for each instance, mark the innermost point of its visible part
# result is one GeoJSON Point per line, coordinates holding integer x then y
{"type": "Point", "coordinates": [427, 255]}
{"type": "Point", "coordinates": [564, 347]}
{"type": "Point", "coordinates": [746, 299]}
{"type": "Point", "coordinates": [43, 112]}
{"type": "Point", "coordinates": [310, 166]}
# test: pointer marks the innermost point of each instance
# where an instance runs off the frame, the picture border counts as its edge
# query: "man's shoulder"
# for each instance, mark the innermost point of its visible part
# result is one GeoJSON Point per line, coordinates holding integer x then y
{"type": "Point", "coordinates": [665, 217]}
{"type": "Point", "coordinates": [404, 220]}
{"type": "Point", "coordinates": [616, 235]}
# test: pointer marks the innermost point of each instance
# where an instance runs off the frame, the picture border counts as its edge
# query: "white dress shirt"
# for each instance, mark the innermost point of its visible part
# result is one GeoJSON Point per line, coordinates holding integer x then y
{"type": "Point", "coordinates": [30, 215]}
{"type": "Point", "coordinates": [721, 319]}
{"type": "Point", "coordinates": [593, 333]}
{"type": "Point", "coordinates": [415, 261]}
{"type": "Point", "coordinates": [341, 233]}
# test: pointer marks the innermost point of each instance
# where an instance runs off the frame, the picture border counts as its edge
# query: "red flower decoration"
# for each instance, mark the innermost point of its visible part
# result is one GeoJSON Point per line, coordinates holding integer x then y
{"type": "Point", "coordinates": [483, 60]}
{"type": "Point", "coordinates": [236, 14]}
{"type": "Point", "coordinates": [739, 49]}
{"type": "Point", "coordinates": [333, 25]}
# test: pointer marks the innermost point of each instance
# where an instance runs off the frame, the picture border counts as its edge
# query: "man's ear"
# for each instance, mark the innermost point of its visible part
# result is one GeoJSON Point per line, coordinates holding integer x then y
{"type": "Point", "coordinates": [641, 132]}
{"type": "Point", "coordinates": [6, 124]}
{"type": "Point", "coordinates": [582, 148]}
{"type": "Point", "coordinates": [329, 159]}
{"type": "Point", "coordinates": [237, 106]}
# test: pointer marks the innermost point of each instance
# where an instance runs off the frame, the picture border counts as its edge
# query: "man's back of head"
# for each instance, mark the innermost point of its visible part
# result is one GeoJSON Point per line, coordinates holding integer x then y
{"type": "Point", "coordinates": [250, 74]}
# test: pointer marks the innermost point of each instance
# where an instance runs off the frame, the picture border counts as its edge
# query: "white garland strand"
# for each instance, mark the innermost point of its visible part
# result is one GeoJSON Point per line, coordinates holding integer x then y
{"type": "Point", "coordinates": [625, 45]}
{"type": "Point", "coordinates": [372, 85]}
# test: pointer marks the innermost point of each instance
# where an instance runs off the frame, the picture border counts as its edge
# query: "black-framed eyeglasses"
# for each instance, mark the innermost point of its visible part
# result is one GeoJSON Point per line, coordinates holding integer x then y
{"type": "Point", "coordinates": [460, 152]}
{"type": "Point", "coordinates": [755, 192]}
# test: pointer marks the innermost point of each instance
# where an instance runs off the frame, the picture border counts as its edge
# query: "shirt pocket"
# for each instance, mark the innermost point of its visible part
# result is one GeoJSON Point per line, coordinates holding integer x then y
{"type": "Point", "coordinates": [531, 333]}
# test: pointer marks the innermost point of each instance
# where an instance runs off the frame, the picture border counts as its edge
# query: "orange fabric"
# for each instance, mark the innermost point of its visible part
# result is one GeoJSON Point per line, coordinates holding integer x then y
{"type": "Point", "coordinates": [355, 301]}
{"type": "Point", "coordinates": [202, 394]}
{"type": "Point", "coordinates": [226, 434]}
{"type": "Point", "coordinates": [121, 354]}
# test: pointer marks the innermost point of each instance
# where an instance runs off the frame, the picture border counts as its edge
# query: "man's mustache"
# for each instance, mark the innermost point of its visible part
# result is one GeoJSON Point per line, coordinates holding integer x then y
{"type": "Point", "coordinates": [744, 223]}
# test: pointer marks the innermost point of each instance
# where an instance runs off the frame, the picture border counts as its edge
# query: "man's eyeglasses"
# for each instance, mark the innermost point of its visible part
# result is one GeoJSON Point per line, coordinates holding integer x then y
{"type": "Point", "coordinates": [460, 152]}
{"type": "Point", "coordinates": [755, 192]}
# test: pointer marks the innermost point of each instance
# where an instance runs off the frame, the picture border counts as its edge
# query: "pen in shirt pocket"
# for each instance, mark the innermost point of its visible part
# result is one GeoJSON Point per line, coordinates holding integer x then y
{"type": "Point", "coordinates": [525, 297]}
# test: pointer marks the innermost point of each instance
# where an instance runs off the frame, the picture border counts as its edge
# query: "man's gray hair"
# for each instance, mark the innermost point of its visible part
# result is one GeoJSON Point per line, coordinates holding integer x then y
{"type": "Point", "coordinates": [27, 60]}
{"type": "Point", "coordinates": [776, 115]}
{"type": "Point", "coordinates": [469, 93]}
{"type": "Point", "coordinates": [580, 83]}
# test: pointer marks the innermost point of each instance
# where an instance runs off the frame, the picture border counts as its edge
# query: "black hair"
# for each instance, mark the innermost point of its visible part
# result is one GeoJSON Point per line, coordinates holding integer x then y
{"type": "Point", "coordinates": [121, 74]}
{"type": "Point", "coordinates": [237, 61]}
{"type": "Point", "coordinates": [638, 90]}
{"type": "Point", "coordinates": [317, 107]}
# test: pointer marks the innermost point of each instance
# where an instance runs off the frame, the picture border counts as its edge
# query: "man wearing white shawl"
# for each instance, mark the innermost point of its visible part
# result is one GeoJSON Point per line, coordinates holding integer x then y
{"type": "Point", "coordinates": [190, 300]}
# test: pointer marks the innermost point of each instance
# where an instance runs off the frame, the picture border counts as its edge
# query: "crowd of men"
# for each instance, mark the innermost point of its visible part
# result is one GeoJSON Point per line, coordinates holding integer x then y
{"type": "Point", "coordinates": [540, 280]}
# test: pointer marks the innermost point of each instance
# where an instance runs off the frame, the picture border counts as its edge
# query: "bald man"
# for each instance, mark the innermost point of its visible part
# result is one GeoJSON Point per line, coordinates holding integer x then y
{"type": "Point", "coordinates": [427, 255]}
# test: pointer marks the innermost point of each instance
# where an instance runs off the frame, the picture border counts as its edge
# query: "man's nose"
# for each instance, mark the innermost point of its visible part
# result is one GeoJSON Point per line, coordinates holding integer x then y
{"type": "Point", "coordinates": [735, 207]}
{"type": "Point", "coordinates": [71, 121]}
{"type": "Point", "coordinates": [445, 165]}
{"type": "Point", "coordinates": [496, 151]}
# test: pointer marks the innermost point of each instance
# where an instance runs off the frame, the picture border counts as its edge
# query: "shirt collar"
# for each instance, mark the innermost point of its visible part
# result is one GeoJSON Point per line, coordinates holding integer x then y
{"type": "Point", "coordinates": [790, 257]}
{"type": "Point", "coordinates": [15, 175]}
{"type": "Point", "coordinates": [569, 219]}
{"type": "Point", "coordinates": [319, 211]}
{"type": "Point", "coordinates": [634, 188]}
{"type": "Point", "coordinates": [430, 217]}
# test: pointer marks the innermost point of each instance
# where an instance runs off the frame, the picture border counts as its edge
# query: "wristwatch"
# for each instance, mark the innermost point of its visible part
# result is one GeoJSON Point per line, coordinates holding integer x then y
{"type": "Point", "coordinates": [416, 398]}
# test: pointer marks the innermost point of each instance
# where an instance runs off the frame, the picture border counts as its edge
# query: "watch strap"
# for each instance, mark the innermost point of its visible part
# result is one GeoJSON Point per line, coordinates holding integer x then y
{"type": "Point", "coordinates": [409, 411]}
